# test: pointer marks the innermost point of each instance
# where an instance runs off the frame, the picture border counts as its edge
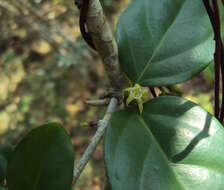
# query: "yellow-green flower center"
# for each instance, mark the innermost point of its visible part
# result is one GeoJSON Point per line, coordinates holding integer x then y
{"type": "Point", "coordinates": [136, 93]}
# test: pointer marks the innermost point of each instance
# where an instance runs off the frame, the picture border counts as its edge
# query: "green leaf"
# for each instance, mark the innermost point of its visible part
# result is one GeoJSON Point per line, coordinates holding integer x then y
{"type": "Point", "coordinates": [43, 160]}
{"type": "Point", "coordinates": [164, 42]}
{"type": "Point", "coordinates": [173, 145]}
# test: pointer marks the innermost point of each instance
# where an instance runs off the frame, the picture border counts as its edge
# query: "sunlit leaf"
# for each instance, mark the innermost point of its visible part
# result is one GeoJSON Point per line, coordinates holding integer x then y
{"type": "Point", "coordinates": [164, 42]}
{"type": "Point", "coordinates": [173, 145]}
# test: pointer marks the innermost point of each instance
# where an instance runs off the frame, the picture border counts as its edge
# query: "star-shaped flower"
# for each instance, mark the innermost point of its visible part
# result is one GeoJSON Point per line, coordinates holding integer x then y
{"type": "Point", "coordinates": [135, 93]}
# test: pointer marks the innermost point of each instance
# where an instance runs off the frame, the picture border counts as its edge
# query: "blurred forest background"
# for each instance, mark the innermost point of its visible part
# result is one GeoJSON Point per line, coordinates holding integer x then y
{"type": "Point", "coordinates": [47, 72]}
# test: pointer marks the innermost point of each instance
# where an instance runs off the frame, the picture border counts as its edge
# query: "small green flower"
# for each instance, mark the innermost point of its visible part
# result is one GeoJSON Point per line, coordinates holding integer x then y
{"type": "Point", "coordinates": [136, 93]}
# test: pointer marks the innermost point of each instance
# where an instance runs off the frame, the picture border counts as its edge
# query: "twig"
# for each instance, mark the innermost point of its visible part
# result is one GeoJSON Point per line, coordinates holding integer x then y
{"type": "Point", "coordinates": [218, 47]}
{"type": "Point", "coordinates": [107, 184]}
{"type": "Point", "coordinates": [102, 124]}
{"type": "Point", "coordinates": [213, 13]}
{"type": "Point", "coordinates": [153, 92]}
{"type": "Point", "coordinates": [221, 54]}
{"type": "Point", "coordinates": [222, 68]}
{"type": "Point", "coordinates": [102, 102]}
{"type": "Point", "coordinates": [213, 21]}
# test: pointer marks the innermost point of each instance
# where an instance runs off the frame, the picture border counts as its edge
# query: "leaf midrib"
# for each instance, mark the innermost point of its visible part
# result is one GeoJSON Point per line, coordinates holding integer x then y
{"type": "Point", "coordinates": [142, 121]}
{"type": "Point", "coordinates": [159, 46]}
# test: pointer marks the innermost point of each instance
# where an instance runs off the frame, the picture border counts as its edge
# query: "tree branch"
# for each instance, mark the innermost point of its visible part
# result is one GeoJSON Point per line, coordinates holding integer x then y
{"type": "Point", "coordinates": [105, 44]}
{"type": "Point", "coordinates": [102, 124]}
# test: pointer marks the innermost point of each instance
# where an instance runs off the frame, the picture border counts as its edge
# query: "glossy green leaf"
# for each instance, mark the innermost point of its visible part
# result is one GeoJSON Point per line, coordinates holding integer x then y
{"type": "Point", "coordinates": [164, 42]}
{"type": "Point", "coordinates": [173, 145]}
{"type": "Point", "coordinates": [43, 160]}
